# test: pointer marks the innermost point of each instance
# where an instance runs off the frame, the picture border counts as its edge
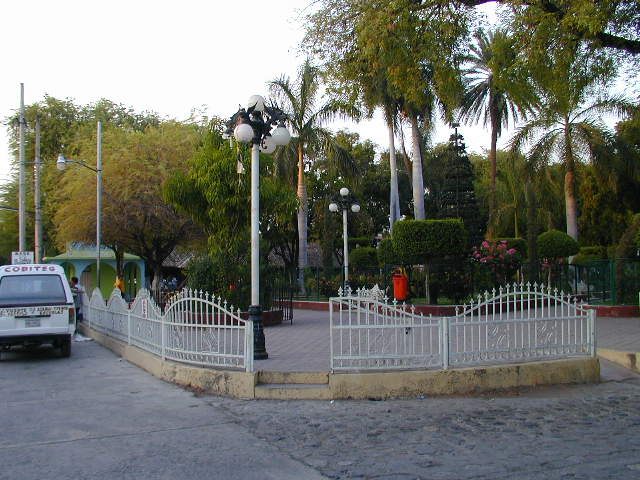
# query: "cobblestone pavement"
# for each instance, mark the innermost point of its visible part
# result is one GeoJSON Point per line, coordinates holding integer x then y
{"type": "Point", "coordinates": [570, 432]}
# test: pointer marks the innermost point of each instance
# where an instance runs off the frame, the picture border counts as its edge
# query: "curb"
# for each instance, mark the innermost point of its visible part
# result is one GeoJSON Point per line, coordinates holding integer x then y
{"type": "Point", "coordinates": [379, 385]}
{"type": "Point", "coordinates": [625, 359]}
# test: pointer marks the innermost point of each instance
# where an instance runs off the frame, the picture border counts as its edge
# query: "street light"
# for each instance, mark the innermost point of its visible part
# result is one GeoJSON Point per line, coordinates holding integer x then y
{"type": "Point", "coordinates": [62, 163]}
{"type": "Point", "coordinates": [254, 125]}
{"type": "Point", "coordinates": [345, 202]}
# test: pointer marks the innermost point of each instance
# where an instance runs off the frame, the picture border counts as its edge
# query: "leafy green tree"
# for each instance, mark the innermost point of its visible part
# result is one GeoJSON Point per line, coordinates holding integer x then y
{"type": "Point", "coordinates": [497, 92]}
{"type": "Point", "coordinates": [608, 24]}
{"type": "Point", "coordinates": [567, 125]}
{"type": "Point", "coordinates": [216, 197]}
{"type": "Point", "coordinates": [412, 55]}
{"type": "Point", "coordinates": [135, 216]}
{"type": "Point", "coordinates": [299, 100]}
{"type": "Point", "coordinates": [457, 199]}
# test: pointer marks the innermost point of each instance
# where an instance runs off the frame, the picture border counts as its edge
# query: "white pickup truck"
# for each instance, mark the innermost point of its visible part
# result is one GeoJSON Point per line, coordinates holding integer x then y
{"type": "Point", "coordinates": [36, 307]}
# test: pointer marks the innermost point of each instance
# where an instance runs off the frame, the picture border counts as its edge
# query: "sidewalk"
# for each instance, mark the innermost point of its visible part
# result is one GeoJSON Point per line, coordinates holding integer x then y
{"type": "Point", "coordinates": [304, 345]}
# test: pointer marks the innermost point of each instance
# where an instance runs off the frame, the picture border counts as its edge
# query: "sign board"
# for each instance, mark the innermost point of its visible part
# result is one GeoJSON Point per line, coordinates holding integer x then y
{"type": "Point", "coordinates": [18, 258]}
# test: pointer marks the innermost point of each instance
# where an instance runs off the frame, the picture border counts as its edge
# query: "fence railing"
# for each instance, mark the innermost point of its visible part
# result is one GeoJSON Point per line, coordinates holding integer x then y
{"type": "Point", "coordinates": [520, 322]}
{"type": "Point", "coordinates": [193, 328]}
{"type": "Point", "coordinates": [369, 333]}
{"type": "Point", "coordinates": [598, 281]}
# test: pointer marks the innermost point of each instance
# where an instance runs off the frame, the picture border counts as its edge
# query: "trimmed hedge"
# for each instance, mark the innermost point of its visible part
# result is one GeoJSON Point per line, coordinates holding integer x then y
{"type": "Point", "coordinates": [555, 244]}
{"type": "Point", "coordinates": [588, 254]}
{"type": "Point", "coordinates": [363, 257]}
{"type": "Point", "coordinates": [418, 241]}
{"type": "Point", "coordinates": [520, 244]}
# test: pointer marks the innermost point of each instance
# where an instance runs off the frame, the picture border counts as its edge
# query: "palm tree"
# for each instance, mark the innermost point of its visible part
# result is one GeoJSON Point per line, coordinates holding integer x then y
{"type": "Point", "coordinates": [495, 92]}
{"type": "Point", "coordinates": [299, 100]}
{"type": "Point", "coordinates": [567, 126]}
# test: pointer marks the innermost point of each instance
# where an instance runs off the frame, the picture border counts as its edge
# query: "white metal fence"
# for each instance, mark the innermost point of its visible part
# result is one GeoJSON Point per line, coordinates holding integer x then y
{"type": "Point", "coordinates": [194, 328]}
{"type": "Point", "coordinates": [369, 333]}
{"type": "Point", "coordinates": [519, 322]}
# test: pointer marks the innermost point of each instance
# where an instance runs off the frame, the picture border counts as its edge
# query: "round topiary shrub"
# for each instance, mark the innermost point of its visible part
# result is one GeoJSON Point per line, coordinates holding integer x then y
{"type": "Point", "coordinates": [520, 244]}
{"type": "Point", "coordinates": [554, 245]}
{"type": "Point", "coordinates": [363, 257]}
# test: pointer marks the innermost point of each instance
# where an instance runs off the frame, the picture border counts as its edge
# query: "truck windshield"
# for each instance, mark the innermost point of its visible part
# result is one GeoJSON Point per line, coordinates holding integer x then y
{"type": "Point", "coordinates": [31, 290]}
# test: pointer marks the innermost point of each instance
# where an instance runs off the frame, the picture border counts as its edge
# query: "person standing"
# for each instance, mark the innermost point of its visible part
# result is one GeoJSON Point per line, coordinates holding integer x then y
{"type": "Point", "coordinates": [78, 297]}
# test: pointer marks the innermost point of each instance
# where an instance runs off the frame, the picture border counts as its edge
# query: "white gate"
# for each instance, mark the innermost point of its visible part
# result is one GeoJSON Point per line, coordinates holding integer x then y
{"type": "Point", "coordinates": [195, 328]}
{"type": "Point", "coordinates": [369, 333]}
{"type": "Point", "coordinates": [519, 322]}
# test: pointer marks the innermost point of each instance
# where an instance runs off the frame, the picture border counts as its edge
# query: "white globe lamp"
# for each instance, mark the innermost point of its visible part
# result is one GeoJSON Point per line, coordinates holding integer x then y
{"type": "Point", "coordinates": [344, 191]}
{"type": "Point", "coordinates": [281, 135]}
{"type": "Point", "coordinates": [268, 145]}
{"type": "Point", "coordinates": [243, 133]}
{"type": "Point", "coordinates": [256, 102]}
{"type": "Point", "coordinates": [333, 207]}
{"type": "Point", "coordinates": [355, 208]}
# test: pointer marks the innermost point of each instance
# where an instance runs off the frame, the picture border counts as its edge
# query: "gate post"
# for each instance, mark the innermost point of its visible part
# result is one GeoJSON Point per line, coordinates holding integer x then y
{"type": "Point", "coordinates": [444, 326]}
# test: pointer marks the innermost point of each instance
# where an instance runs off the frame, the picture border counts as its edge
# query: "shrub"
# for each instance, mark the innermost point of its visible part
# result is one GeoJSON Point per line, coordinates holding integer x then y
{"type": "Point", "coordinates": [363, 257]}
{"type": "Point", "coordinates": [588, 254]}
{"type": "Point", "coordinates": [520, 244]}
{"type": "Point", "coordinates": [628, 247]}
{"type": "Point", "coordinates": [386, 254]}
{"type": "Point", "coordinates": [220, 276]}
{"type": "Point", "coordinates": [357, 242]}
{"type": "Point", "coordinates": [418, 241]}
{"type": "Point", "coordinates": [555, 245]}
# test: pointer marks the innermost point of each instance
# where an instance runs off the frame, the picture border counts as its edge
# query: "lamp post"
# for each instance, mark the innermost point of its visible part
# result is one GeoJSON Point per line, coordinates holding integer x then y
{"type": "Point", "coordinates": [62, 163]}
{"type": "Point", "coordinates": [345, 202]}
{"type": "Point", "coordinates": [253, 126]}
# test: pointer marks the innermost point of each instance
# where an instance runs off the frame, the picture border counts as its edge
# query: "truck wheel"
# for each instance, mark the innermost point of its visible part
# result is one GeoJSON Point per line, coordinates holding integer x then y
{"type": "Point", "coordinates": [65, 347]}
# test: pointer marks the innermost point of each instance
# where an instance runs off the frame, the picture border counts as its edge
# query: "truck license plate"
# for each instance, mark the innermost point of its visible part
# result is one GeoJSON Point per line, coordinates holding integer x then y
{"type": "Point", "coordinates": [32, 322]}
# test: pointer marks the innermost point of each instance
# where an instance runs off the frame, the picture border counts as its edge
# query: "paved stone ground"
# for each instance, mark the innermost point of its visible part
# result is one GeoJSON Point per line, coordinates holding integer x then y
{"type": "Point", "coordinates": [570, 432]}
{"type": "Point", "coordinates": [304, 345]}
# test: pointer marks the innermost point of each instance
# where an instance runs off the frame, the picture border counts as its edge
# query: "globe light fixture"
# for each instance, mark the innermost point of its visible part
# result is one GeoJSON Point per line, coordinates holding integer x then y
{"type": "Point", "coordinates": [281, 135]}
{"type": "Point", "coordinates": [345, 203]}
{"type": "Point", "coordinates": [256, 102]}
{"type": "Point", "coordinates": [243, 133]}
{"type": "Point", "coordinates": [268, 145]}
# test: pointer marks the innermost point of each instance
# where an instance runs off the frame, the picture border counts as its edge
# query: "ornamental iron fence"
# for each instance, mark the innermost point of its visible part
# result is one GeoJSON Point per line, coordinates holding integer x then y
{"type": "Point", "coordinates": [611, 281]}
{"type": "Point", "coordinates": [367, 332]}
{"type": "Point", "coordinates": [194, 327]}
{"type": "Point", "coordinates": [515, 323]}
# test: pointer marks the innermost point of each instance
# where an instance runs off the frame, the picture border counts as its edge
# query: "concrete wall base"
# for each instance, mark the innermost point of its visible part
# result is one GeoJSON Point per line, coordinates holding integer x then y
{"type": "Point", "coordinates": [395, 384]}
{"type": "Point", "coordinates": [626, 359]}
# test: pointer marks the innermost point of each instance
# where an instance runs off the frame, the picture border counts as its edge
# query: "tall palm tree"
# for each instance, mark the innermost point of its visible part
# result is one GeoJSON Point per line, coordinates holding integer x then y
{"type": "Point", "coordinates": [567, 126]}
{"type": "Point", "coordinates": [496, 92]}
{"type": "Point", "coordinates": [299, 100]}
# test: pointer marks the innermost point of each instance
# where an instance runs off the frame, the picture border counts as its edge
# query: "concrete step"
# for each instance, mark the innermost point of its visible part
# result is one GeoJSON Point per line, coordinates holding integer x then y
{"type": "Point", "coordinates": [293, 391]}
{"type": "Point", "coordinates": [314, 378]}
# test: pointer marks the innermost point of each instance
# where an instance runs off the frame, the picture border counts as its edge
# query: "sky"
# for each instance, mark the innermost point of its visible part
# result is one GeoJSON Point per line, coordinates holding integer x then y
{"type": "Point", "coordinates": [166, 56]}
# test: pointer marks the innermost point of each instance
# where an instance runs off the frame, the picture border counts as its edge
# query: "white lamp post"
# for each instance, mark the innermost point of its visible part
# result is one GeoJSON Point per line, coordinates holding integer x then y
{"type": "Point", "coordinates": [253, 125]}
{"type": "Point", "coordinates": [345, 202]}
{"type": "Point", "coordinates": [62, 163]}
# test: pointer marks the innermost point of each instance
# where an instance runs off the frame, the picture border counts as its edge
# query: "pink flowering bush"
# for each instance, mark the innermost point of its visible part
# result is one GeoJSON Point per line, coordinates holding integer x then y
{"type": "Point", "coordinates": [499, 258]}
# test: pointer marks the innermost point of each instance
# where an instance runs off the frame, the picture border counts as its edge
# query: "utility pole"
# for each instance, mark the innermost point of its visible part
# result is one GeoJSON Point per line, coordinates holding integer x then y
{"type": "Point", "coordinates": [36, 196]}
{"type": "Point", "coordinates": [22, 183]}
